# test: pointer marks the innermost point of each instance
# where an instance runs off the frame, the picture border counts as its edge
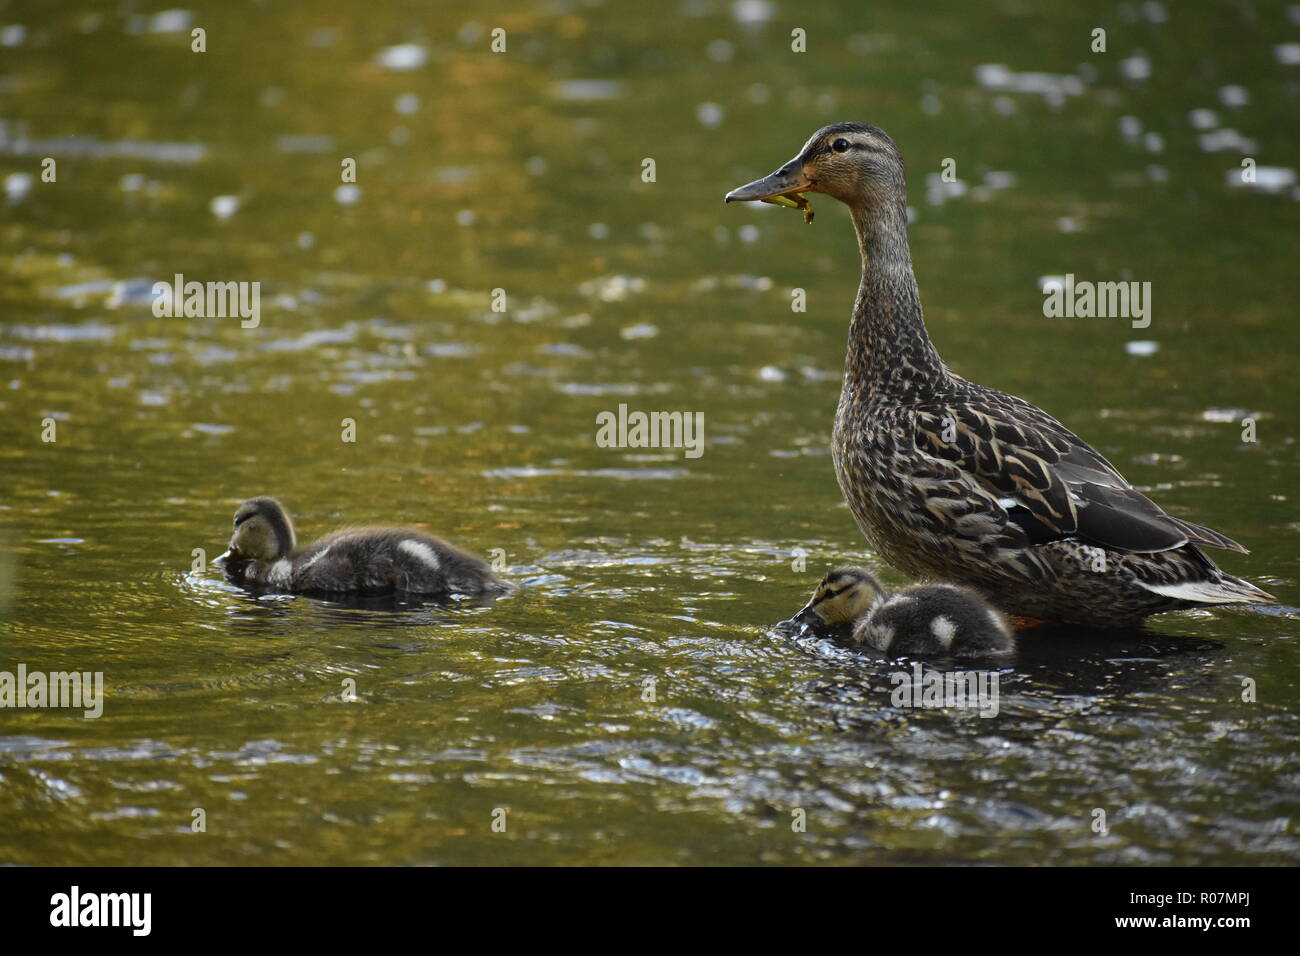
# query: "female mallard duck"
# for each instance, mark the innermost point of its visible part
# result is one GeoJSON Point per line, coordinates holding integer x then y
{"type": "Point", "coordinates": [953, 481]}
{"type": "Point", "coordinates": [933, 619]}
{"type": "Point", "coordinates": [264, 553]}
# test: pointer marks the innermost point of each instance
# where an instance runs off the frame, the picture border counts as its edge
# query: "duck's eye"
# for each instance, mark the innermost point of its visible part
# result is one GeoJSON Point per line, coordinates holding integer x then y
{"type": "Point", "coordinates": [841, 145]}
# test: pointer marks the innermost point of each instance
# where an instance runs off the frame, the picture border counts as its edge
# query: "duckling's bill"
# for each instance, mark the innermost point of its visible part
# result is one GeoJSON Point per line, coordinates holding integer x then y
{"type": "Point", "coordinates": [808, 613]}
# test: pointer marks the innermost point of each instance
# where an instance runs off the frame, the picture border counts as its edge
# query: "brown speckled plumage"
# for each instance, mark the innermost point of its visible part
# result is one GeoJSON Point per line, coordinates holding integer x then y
{"type": "Point", "coordinates": [955, 481]}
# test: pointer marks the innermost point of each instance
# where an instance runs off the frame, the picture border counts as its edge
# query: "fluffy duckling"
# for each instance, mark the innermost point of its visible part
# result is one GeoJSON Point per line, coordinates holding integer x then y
{"type": "Point", "coordinates": [929, 619]}
{"type": "Point", "coordinates": [264, 553]}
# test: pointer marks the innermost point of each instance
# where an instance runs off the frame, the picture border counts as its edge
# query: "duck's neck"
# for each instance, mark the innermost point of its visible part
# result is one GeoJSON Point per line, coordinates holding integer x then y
{"type": "Point", "coordinates": [889, 349]}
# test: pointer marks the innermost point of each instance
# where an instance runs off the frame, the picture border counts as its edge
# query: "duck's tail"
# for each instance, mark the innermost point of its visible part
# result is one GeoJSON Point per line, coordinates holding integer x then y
{"type": "Point", "coordinates": [1199, 534]}
{"type": "Point", "coordinates": [1199, 581]}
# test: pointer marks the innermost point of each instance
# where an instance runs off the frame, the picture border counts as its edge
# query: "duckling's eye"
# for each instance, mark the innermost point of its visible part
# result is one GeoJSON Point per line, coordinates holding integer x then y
{"type": "Point", "coordinates": [841, 145]}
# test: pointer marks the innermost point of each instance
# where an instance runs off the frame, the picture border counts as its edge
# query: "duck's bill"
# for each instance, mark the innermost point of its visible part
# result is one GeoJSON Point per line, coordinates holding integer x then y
{"type": "Point", "coordinates": [786, 181]}
{"type": "Point", "coordinates": [221, 558]}
{"type": "Point", "coordinates": [785, 187]}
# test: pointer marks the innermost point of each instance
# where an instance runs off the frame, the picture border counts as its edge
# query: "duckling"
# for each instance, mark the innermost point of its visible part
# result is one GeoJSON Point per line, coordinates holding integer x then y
{"type": "Point", "coordinates": [929, 619]}
{"type": "Point", "coordinates": [264, 553]}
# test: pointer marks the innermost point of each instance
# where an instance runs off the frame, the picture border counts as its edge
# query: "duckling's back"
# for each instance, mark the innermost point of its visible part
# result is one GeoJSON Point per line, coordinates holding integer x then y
{"type": "Point", "coordinates": [939, 619]}
{"type": "Point", "coordinates": [385, 561]}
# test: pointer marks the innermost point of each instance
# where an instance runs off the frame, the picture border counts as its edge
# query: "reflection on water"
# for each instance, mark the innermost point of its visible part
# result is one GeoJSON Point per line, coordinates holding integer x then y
{"type": "Point", "coordinates": [633, 701]}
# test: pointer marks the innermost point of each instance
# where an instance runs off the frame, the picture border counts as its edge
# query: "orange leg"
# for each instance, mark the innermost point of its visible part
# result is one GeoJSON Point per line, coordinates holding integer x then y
{"type": "Point", "coordinates": [1024, 623]}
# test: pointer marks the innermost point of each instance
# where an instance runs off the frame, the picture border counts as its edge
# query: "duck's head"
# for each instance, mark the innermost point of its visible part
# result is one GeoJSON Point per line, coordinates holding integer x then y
{"type": "Point", "coordinates": [856, 163]}
{"type": "Point", "coordinates": [842, 597]}
{"type": "Point", "coordinates": [263, 532]}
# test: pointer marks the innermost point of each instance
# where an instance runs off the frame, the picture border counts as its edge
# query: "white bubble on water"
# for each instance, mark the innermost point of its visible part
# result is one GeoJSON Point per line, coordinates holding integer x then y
{"type": "Point", "coordinates": [587, 90]}
{"type": "Point", "coordinates": [171, 21]}
{"type": "Point", "coordinates": [17, 186]}
{"type": "Point", "coordinates": [1136, 68]}
{"type": "Point", "coordinates": [710, 114]}
{"type": "Point", "coordinates": [223, 207]}
{"type": "Point", "coordinates": [404, 56]}
{"type": "Point", "coordinates": [1225, 140]}
{"type": "Point", "coordinates": [1233, 96]}
{"type": "Point", "coordinates": [642, 330]}
{"type": "Point", "coordinates": [752, 12]}
{"type": "Point", "coordinates": [1268, 179]}
{"type": "Point", "coordinates": [1154, 12]}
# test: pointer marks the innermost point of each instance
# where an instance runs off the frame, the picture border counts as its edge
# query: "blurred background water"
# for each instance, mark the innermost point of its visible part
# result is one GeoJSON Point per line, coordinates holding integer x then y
{"type": "Point", "coordinates": [521, 171]}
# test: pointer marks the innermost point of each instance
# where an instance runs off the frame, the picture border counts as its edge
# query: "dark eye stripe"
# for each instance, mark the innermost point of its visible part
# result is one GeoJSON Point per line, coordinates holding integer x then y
{"type": "Point", "coordinates": [834, 592]}
{"type": "Point", "coordinates": [240, 520]}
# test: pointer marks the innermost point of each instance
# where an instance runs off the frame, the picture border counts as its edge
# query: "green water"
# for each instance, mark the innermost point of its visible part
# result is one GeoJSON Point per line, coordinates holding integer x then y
{"type": "Point", "coordinates": [521, 171]}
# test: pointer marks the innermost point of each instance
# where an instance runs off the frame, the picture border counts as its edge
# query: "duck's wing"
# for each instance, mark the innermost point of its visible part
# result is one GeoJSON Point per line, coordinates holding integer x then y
{"type": "Point", "coordinates": [1051, 483]}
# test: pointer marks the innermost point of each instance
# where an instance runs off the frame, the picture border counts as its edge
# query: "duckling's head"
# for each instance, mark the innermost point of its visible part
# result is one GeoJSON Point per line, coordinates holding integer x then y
{"type": "Point", "coordinates": [263, 531]}
{"type": "Point", "coordinates": [856, 163]}
{"type": "Point", "coordinates": [843, 596]}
